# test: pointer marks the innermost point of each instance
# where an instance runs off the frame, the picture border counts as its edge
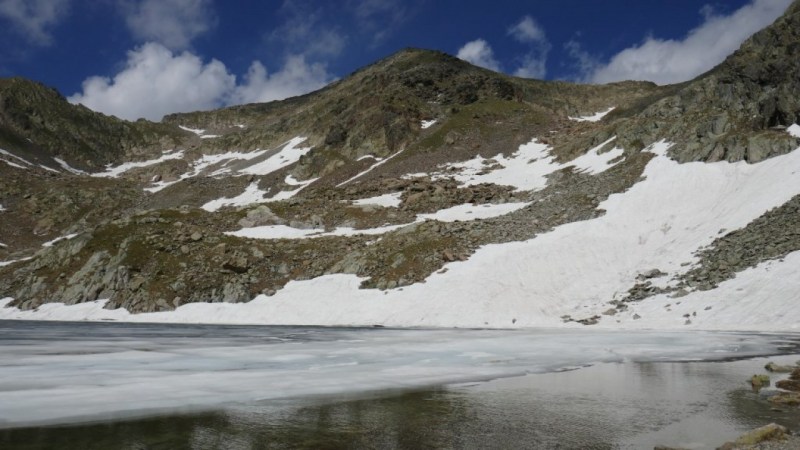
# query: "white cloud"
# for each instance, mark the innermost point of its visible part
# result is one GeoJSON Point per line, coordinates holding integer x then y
{"type": "Point", "coordinates": [295, 78]}
{"type": "Point", "coordinates": [666, 61]}
{"type": "Point", "coordinates": [584, 62]}
{"type": "Point", "coordinates": [527, 30]}
{"type": "Point", "coordinates": [479, 52]}
{"type": "Point", "coordinates": [534, 63]}
{"type": "Point", "coordinates": [155, 81]}
{"type": "Point", "coordinates": [34, 18]}
{"type": "Point", "coordinates": [304, 32]}
{"type": "Point", "coordinates": [173, 23]}
{"type": "Point", "coordinates": [380, 18]}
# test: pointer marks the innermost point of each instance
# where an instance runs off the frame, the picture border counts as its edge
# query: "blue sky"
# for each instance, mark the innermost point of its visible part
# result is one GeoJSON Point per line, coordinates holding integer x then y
{"type": "Point", "coordinates": [147, 58]}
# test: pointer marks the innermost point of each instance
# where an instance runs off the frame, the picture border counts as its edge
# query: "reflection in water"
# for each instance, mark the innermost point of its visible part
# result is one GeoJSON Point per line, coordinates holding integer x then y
{"type": "Point", "coordinates": [627, 405]}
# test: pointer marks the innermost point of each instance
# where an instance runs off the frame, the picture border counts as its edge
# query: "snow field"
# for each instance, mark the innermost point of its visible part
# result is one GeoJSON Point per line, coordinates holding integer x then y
{"type": "Point", "coordinates": [575, 270]}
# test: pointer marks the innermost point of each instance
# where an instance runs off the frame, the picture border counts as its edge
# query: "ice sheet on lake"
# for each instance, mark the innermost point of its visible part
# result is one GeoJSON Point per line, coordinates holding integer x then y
{"type": "Point", "coordinates": [79, 372]}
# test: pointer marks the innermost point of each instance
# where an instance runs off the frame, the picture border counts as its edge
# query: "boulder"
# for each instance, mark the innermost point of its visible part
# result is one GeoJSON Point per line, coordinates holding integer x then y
{"type": "Point", "coordinates": [771, 432]}
{"type": "Point", "coordinates": [777, 368]}
{"type": "Point", "coordinates": [789, 385]}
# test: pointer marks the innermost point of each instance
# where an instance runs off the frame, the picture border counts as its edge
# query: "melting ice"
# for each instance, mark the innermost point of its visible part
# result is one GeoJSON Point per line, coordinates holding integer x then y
{"type": "Point", "coordinates": [68, 372]}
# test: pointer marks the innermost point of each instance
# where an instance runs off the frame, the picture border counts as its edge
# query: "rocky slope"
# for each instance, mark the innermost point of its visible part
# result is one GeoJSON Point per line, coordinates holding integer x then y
{"type": "Point", "coordinates": [410, 167]}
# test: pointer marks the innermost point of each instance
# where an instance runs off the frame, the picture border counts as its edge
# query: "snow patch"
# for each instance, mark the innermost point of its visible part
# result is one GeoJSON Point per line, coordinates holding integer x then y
{"type": "Point", "coordinates": [12, 163]}
{"type": "Point", "coordinates": [467, 212]}
{"type": "Point", "coordinates": [594, 163]}
{"type": "Point", "coordinates": [289, 154]}
{"type": "Point", "coordinates": [361, 158]}
{"type": "Point", "coordinates": [8, 263]}
{"type": "Point", "coordinates": [527, 168]}
{"type": "Point", "coordinates": [275, 232]}
{"type": "Point", "coordinates": [425, 124]}
{"type": "Point", "coordinates": [593, 118]}
{"type": "Point", "coordinates": [794, 130]}
{"type": "Point", "coordinates": [69, 168]}
{"type": "Point", "coordinates": [386, 200]}
{"type": "Point", "coordinates": [251, 194]}
{"type": "Point", "coordinates": [48, 168]}
{"type": "Point", "coordinates": [286, 154]}
{"type": "Point", "coordinates": [196, 131]}
{"type": "Point", "coordinates": [464, 212]}
{"type": "Point", "coordinates": [291, 181]}
{"type": "Point", "coordinates": [114, 172]}
{"type": "Point", "coordinates": [379, 163]}
{"type": "Point", "coordinates": [59, 239]}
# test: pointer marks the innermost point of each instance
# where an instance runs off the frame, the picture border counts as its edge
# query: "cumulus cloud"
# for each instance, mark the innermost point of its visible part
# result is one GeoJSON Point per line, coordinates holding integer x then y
{"type": "Point", "coordinates": [479, 52]}
{"type": "Point", "coordinates": [155, 81]}
{"type": "Point", "coordinates": [34, 18]}
{"type": "Point", "coordinates": [527, 30]}
{"type": "Point", "coordinates": [534, 63]}
{"type": "Point", "coordinates": [173, 23]}
{"type": "Point", "coordinates": [295, 78]}
{"type": "Point", "coordinates": [665, 61]}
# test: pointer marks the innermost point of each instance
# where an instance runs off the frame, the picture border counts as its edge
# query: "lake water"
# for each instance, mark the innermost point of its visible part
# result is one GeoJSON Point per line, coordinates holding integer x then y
{"type": "Point", "coordinates": [136, 386]}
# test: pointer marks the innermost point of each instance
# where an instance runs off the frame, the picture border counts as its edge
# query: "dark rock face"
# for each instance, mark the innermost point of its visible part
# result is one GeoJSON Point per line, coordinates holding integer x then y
{"type": "Point", "coordinates": [737, 111]}
{"type": "Point", "coordinates": [771, 236]}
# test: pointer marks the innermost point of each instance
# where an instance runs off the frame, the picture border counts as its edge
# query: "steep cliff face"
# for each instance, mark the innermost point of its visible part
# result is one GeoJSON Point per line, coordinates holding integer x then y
{"type": "Point", "coordinates": [402, 171]}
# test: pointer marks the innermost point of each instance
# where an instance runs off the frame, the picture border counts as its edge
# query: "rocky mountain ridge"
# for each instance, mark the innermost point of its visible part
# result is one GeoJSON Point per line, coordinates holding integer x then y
{"type": "Point", "coordinates": [394, 174]}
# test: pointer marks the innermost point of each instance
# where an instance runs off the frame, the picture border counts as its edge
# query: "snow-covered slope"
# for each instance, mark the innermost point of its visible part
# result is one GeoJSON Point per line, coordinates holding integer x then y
{"type": "Point", "coordinates": [573, 270]}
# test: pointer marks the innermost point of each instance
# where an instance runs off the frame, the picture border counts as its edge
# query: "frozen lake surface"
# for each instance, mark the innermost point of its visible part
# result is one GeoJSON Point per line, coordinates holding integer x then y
{"type": "Point", "coordinates": [147, 375]}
